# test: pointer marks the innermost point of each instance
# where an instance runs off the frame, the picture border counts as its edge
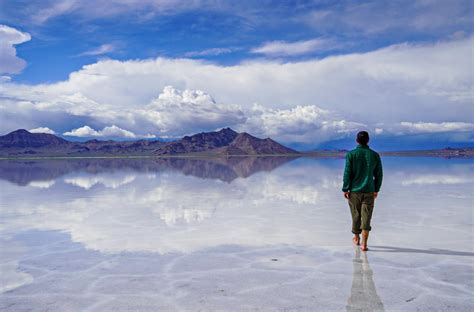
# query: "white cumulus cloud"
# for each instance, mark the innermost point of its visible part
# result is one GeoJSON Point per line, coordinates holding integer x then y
{"type": "Point", "coordinates": [9, 37]}
{"type": "Point", "coordinates": [175, 111]}
{"type": "Point", "coordinates": [42, 130]}
{"type": "Point", "coordinates": [111, 131]}
{"type": "Point", "coordinates": [299, 124]}
{"type": "Point", "coordinates": [84, 131]}
{"type": "Point", "coordinates": [309, 100]}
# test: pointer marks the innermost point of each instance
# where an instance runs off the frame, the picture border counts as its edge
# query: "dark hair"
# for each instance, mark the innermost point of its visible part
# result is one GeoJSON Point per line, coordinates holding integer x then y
{"type": "Point", "coordinates": [363, 137]}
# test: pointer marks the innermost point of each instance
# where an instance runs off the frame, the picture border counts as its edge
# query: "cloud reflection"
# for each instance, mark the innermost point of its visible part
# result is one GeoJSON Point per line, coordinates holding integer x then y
{"type": "Point", "coordinates": [438, 179]}
{"type": "Point", "coordinates": [107, 180]}
{"type": "Point", "coordinates": [41, 184]}
{"type": "Point", "coordinates": [176, 210]}
{"type": "Point", "coordinates": [182, 227]}
{"type": "Point", "coordinates": [186, 205]}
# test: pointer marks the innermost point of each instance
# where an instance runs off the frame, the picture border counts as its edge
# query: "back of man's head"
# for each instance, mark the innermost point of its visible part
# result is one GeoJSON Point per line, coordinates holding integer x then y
{"type": "Point", "coordinates": [362, 137]}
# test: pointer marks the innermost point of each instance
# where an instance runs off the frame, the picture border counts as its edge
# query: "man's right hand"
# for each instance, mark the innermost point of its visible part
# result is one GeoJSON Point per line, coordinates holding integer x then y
{"type": "Point", "coordinates": [346, 195]}
{"type": "Point", "coordinates": [375, 195]}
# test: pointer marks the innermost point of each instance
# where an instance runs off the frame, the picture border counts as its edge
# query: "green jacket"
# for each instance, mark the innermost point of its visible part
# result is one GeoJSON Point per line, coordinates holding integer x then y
{"type": "Point", "coordinates": [363, 170]}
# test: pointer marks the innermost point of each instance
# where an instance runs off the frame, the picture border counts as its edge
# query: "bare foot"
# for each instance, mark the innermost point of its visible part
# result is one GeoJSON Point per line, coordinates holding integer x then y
{"type": "Point", "coordinates": [356, 240]}
{"type": "Point", "coordinates": [364, 247]}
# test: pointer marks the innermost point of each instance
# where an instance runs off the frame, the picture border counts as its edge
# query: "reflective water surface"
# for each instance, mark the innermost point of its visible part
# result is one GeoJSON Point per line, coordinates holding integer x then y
{"type": "Point", "coordinates": [232, 234]}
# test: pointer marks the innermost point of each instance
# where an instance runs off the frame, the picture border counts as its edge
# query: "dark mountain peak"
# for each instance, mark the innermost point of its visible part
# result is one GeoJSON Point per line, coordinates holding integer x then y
{"type": "Point", "coordinates": [247, 144]}
{"type": "Point", "coordinates": [24, 139]}
{"type": "Point", "coordinates": [227, 131]}
{"type": "Point", "coordinates": [19, 132]}
{"type": "Point", "coordinates": [200, 142]}
{"type": "Point", "coordinates": [226, 134]}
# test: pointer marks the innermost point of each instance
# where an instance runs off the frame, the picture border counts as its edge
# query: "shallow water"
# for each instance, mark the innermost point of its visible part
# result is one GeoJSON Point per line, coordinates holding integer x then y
{"type": "Point", "coordinates": [239, 234]}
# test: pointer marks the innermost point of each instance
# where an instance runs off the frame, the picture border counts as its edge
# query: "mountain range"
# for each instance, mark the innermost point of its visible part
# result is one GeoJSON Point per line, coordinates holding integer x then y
{"type": "Point", "coordinates": [225, 142]}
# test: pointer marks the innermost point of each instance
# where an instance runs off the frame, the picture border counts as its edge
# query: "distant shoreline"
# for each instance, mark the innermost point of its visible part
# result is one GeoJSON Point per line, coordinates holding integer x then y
{"type": "Point", "coordinates": [150, 156]}
{"type": "Point", "coordinates": [322, 155]}
{"type": "Point", "coordinates": [467, 152]}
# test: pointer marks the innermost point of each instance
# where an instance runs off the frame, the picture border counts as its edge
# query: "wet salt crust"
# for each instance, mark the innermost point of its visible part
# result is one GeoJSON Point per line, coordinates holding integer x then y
{"type": "Point", "coordinates": [232, 236]}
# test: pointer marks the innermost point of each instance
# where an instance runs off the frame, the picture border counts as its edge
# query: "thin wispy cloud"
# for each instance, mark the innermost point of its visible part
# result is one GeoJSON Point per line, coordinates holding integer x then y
{"type": "Point", "coordinates": [53, 9]}
{"type": "Point", "coordinates": [101, 50]}
{"type": "Point", "coordinates": [435, 127]}
{"type": "Point", "coordinates": [396, 17]}
{"type": "Point", "coordinates": [49, 10]}
{"type": "Point", "coordinates": [211, 52]}
{"type": "Point", "coordinates": [284, 48]}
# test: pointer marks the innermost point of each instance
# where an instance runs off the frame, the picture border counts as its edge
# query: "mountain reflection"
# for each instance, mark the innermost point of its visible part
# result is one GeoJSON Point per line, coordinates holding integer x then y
{"type": "Point", "coordinates": [153, 205]}
{"type": "Point", "coordinates": [42, 173]}
{"type": "Point", "coordinates": [164, 205]}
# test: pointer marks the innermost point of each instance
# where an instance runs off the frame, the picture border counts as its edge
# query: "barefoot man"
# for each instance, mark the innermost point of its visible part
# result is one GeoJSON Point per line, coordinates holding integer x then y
{"type": "Point", "coordinates": [362, 181]}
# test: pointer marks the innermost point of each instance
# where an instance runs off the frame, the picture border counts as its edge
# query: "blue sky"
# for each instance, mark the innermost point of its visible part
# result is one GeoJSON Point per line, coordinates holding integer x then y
{"type": "Point", "coordinates": [307, 73]}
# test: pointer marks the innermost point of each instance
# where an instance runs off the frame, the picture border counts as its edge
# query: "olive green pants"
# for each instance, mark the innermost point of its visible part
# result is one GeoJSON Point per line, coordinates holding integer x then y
{"type": "Point", "coordinates": [362, 205]}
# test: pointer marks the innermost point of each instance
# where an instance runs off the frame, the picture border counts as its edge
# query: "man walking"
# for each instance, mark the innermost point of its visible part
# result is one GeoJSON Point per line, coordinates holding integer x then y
{"type": "Point", "coordinates": [362, 181]}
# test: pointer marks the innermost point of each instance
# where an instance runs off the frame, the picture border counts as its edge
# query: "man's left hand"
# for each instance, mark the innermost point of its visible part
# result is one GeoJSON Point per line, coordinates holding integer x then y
{"type": "Point", "coordinates": [346, 195]}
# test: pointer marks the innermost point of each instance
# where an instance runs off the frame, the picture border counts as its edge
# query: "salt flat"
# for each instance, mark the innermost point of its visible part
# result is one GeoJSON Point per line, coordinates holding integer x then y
{"type": "Point", "coordinates": [245, 234]}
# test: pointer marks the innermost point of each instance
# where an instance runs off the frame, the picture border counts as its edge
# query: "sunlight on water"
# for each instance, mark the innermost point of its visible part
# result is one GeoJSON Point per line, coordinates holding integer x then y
{"type": "Point", "coordinates": [257, 232]}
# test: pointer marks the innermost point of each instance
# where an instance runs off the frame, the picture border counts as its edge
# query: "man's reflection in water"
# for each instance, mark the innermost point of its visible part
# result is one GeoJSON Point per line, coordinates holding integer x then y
{"type": "Point", "coordinates": [363, 293]}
